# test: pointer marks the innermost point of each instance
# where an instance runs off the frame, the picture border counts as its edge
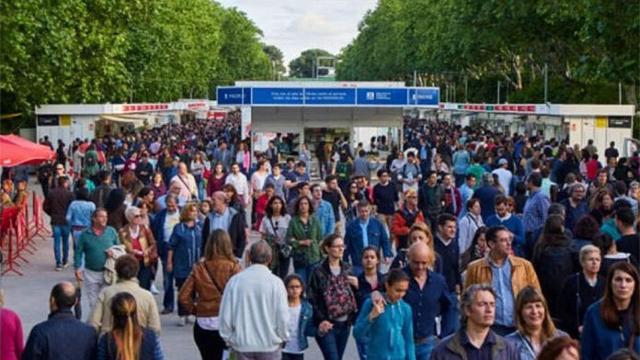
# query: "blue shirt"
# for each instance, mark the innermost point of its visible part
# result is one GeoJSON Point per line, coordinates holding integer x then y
{"type": "Point", "coordinates": [363, 227]}
{"type": "Point", "coordinates": [501, 282]}
{"type": "Point", "coordinates": [219, 221]}
{"type": "Point", "coordinates": [79, 213]}
{"type": "Point", "coordinates": [465, 194]}
{"type": "Point", "coordinates": [484, 352]}
{"type": "Point", "coordinates": [325, 214]}
{"type": "Point", "coordinates": [535, 211]}
{"type": "Point", "coordinates": [427, 303]}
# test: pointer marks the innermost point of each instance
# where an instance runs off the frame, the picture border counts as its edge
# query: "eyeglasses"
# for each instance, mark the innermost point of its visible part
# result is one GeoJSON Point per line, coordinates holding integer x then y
{"type": "Point", "coordinates": [337, 246]}
{"type": "Point", "coordinates": [137, 216]}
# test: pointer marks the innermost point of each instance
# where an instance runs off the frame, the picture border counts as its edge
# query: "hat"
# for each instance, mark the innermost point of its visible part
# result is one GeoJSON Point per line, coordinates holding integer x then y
{"type": "Point", "coordinates": [503, 162]}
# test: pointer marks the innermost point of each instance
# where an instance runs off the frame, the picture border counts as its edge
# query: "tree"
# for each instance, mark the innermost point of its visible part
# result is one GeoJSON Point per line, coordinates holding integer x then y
{"type": "Point", "coordinates": [277, 60]}
{"type": "Point", "coordinates": [303, 66]}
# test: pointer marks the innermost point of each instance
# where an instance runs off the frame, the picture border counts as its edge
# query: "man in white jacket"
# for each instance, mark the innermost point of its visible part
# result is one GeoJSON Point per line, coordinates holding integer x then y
{"type": "Point", "coordinates": [254, 311]}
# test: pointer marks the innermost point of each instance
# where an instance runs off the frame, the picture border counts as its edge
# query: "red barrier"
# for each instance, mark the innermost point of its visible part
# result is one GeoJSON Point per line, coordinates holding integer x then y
{"type": "Point", "coordinates": [39, 227]}
{"type": "Point", "coordinates": [9, 239]}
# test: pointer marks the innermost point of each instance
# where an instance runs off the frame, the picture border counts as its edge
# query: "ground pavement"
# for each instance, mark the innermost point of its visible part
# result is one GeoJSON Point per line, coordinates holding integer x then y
{"type": "Point", "coordinates": [28, 296]}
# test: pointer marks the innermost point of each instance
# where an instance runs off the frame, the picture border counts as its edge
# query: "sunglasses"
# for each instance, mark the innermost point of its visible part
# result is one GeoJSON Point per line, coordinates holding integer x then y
{"type": "Point", "coordinates": [137, 216]}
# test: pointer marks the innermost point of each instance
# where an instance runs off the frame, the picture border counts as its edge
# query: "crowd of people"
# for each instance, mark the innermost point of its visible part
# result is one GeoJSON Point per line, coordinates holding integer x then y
{"type": "Point", "coordinates": [466, 244]}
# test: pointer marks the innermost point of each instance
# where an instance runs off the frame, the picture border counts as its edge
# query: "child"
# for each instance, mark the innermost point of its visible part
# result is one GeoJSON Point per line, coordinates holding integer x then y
{"type": "Point", "coordinates": [300, 319]}
{"type": "Point", "coordinates": [370, 280]}
{"type": "Point", "coordinates": [388, 322]}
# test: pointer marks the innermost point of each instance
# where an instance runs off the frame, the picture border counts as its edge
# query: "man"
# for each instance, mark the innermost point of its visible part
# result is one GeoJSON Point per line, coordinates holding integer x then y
{"type": "Point", "coordinates": [611, 152]}
{"type": "Point", "coordinates": [476, 169]}
{"type": "Point", "coordinates": [404, 218]}
{"type": "Point", "coordinates": [304, 190]}
{"type": "Point", "coordinates": [294, 178]}
{"type": "Point", "coordinates": [487, 195]}
{"type": "Point", "coordinates": [186, 182]}
{"type": "Point", "coordinates": [228, 219]}
{"type": "Point", "coordinates": [144, 169]}
{"type": "Point", "coordinates": [94, 244]}
{"type": "Point", "coordinates": [446, 245]}
{"type": "Point", "coordinates": [362, 166]}
{"type": "Point", "coordinates": [629, 242]}
{"type": "Point", "coordinates": [506, 273]}
{"type": "Point", "coordinates": [62, 336]}
{"type": "Point", "coordinates": [362, 232]}
{"type": "Point", "coordinates": [475, 339]}
{"type": "Point", "coordinates": [536, 208]}
{"type": "Point", "coordinates": [425, 154]}
{"type": "Point", "coordinates": [591, 149]}
{"type": "Point", "coordinates": [277, 179]}
{"type": "Point", "coordinates": [333, 194]}
{"type": "Point", "coordinates": [575, 205]}
{"type": "Point", "coordinates": [101, 193]}
{"type": "Point", "coordinates": [323, 211]}
{"type": "Point", "coordinates": [410, 174]}
{"type": "Point", "coordinates": [385, 198]}
{"type": "Point", "coordinates": [466, 191]}
{"type": "Point", "coordinates": [239, 181]}
{"type": "Point", "coordinates": [504, 175]}
{"type": "Point", "coordinates": [431, 198]}
{"type": "Point", "coordinates": [222, 155]}
{"type": "Point", "coordinates": [254, 314]}
{"type": "Point", "coordinates": [162, 228]}
{"type": "Point", "coordinates": [272, 153]}
{"type": "Point", "coordinates": [127, 267]}
{"type": "Point", "coordinates": [452, 199]}
{"type": "Point", "coordinates": [56, 206]}
{"type": "Point", "coordinates": [505, 218]}
{"type": "Point", "coordinates": [174, 191]}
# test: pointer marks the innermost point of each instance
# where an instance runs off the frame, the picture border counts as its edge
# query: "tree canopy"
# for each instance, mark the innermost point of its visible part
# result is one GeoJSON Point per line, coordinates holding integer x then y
{"type": "Point", "coordinates": [303, 66]}
{"type": "Point", "coordinates": [589, 46]}
{"type": "Point", "coordinates": [78, 51]}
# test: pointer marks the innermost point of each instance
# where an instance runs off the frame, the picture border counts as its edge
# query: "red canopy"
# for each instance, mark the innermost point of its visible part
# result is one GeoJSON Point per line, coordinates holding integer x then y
{"type": "Point", "coordinates": [15, 150]}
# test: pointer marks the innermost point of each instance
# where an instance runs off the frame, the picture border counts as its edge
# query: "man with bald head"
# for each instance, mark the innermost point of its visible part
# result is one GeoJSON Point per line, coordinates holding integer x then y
{"type": "Point", "coordinates": [186, 182]}
{"type": "Point", "coordinates": [62, 336]}
{"type": "Point", "coordinates": [228, 219]}
{"type": "Point", "coordinates": [428, 296]}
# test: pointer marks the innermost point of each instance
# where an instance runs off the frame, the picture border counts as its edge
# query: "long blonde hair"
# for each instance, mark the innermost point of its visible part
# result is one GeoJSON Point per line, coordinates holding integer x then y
{"type": "Point", "coordinates": [126, 332]}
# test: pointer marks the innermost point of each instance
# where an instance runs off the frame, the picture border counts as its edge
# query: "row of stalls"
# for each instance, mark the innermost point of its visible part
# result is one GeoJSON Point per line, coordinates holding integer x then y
{"type": "Point", "coordinates": [67, 122]}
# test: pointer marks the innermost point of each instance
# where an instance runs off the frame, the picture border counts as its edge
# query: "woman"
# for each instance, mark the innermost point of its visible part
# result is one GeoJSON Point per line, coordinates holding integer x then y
{"type": "Point", "coordinates": [273, 229]}
{"type": "Point", "coordinates": [300, 319]}
{"type": "Point", "coordinates": [145, 195]}
{"type": "Point", "coordinates": [343, 170]}
{"type": "Point", "coordinates": [560, 348]}
{"type": "Point", "coordinates": [368, 281]}
{"type": "Point", "coordinates": [197, 170]}
{"type": "Point", "coordinates": [11, 341]}
{"type": "Point", "coordinates": [580, 290]}
{"type": "Point", "coordinates": [354, 196]}
{"type": "Point", "coordinates": [419, 232]}
{"type": "Point", "coordinates": [333, 300]}
{"type": "Point", "coordinates": [439, 166]}
{"type": "Point", "coordinates": [388, 323]}
{"type": "Point", "coordinates": [79, 213]}
{"type": "Point", "coordinates": [115, 207]}
{"type": "Point", "coordinates": [242, 157]}
{"type": "Point", "coordinates": [404, 218]}
{"type": "Point", "coordinates": [203, 210]}
{"type": "Point", "coordinates": [138, 241]}
{"type": "Point", "coordinates": [478, 248]}
{"type": "Point", "coordinates": [614, 322]}
{"type": "Point", "coordinates": [469, 224]}
{"type": "Point", "coordinates": [127, 340]}
{"type": "Point", "coordinates": [132, 186]}
{"type": "Point", "coordinates": [157, 185]}
{"type": "Point", "coordinates": [554, 259]}
{"type": "Point", "coordinates": [261, 204]}
{"type": "Point", "coordinates": [304, 235]}
{"type": "Point", "coordinates": [184, 250]}
{"type": "Point", "coordinates": [305, 155]}
{"type": "Point", "coordinates": [583, 231]}
{"type": "Point", "coordinates": [206, 283]}
{"type": "Point", "coordinates": [601, 206]}
{"type": "Point", "coordinates": [610, 252]}
{"type": "Point", "coordinates": [533, 322]}
{"type": "Point", "coordinates": [234, 200]}
{"type": "Point", "coordinates": [216, 179]}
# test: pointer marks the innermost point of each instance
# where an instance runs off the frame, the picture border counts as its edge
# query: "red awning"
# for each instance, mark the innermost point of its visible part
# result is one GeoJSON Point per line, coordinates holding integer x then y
{"type": "Point", "coordinates": [15, 150]}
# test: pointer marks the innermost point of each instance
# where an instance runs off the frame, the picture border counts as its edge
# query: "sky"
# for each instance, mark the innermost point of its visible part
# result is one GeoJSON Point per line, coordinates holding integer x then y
{"type": "Point", "coordinates": [297, 25]}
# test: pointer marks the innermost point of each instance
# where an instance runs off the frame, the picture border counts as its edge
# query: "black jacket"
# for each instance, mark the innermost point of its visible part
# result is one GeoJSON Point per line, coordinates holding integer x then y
{"type": "Point", "coordinates": [56, 205]}
{"type": "Point", "coordinates": [318, 283]}
{"type": "Point", "coordinates": [62, 336]}
{"type": "Point", "coordinates": [236, 232]}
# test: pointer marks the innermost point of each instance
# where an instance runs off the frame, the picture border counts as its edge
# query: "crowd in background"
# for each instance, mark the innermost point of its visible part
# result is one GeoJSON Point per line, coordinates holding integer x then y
{"type": "Point", "coordinates": [464, 244]}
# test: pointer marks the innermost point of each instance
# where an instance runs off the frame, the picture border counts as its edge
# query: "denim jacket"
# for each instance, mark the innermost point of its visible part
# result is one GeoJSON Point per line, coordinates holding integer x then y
{"type": "Point", "coordinates": [305, 324]}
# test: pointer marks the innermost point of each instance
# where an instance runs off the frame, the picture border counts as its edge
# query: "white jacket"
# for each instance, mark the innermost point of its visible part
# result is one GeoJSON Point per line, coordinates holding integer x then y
{"type": "Point", "coordinates": [254, 312]}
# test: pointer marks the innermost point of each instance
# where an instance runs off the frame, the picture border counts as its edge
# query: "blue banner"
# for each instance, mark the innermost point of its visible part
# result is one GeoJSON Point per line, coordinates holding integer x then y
{"type": "Point", "coordinates": [277, 96]}
{"type": "Point", "coordinates": [382, 96]}
{"type": "Point", "coordinates": [424, 96]}
{"type": "Point", "coordinates": [330, 96]}
{"type": "Point", "coordinates": [232, 96]}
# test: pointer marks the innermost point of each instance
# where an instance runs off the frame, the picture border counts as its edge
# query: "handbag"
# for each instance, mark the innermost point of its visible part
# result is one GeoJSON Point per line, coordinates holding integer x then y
{"type": "Point", "coordinates": [153, 253]}
{"type": "Point", "coordinates": [284, 249]}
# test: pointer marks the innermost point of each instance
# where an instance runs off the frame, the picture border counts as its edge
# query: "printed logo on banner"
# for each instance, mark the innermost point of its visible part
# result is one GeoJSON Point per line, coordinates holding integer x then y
{"type": "Point", "coordinates": [371, 95]}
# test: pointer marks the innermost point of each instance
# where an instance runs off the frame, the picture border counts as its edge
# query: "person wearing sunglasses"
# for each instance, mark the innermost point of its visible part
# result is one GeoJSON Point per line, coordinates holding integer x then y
{"type": "Point", "coordinates": [139, 242]}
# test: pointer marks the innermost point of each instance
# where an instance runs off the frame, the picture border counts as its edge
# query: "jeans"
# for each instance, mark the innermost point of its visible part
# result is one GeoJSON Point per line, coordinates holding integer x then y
{"type": "Point", "coordinates": [282, 270]}
{"type": "Point", "coordinates": [451, 318]}
{"type": "Point", "coordinates": [168, 302]}
{"type": "Point", "coordinates": [334, 342]}
{"type": "Point", "coordinates": [361, 345]}
{"type": "Point", "coordinates": [304, 272]}
{"type": "Point", "coordinates": [275, 355]}
{"type": "Point", "coordinates": [209, 343]}
{"type": "Point", "coordinates": [181, 310]}
{"type": "Point", "coordinates": [61, 238]}
{"type": "Point", "coordinates": [144, 276]}
{"type": "Point", "coordinates": [423, 351]}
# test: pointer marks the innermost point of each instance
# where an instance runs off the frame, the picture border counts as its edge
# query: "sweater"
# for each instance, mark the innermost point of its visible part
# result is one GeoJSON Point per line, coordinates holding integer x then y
{"type": "Point", "coordinates": [390, 335]}
{"type": "Point", "coordinates": [94, 248]}
{"type": "Point", "coordinates": [11, 342]}
{"type": "Point", "coordinates": [513, 223]}
{"type": "Point", "coordinates": [254, 312]}
{"type": "Point", "coordinates": [599, 341]}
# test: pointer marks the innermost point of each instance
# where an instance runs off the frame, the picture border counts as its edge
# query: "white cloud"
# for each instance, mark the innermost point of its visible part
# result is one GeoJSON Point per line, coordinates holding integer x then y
{"type": "Point", "coordinates": [297, 25]}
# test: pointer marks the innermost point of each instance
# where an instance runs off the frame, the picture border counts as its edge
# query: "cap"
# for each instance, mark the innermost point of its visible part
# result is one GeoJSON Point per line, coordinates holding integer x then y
{"type": "Point", "coordinates": [503, 162]}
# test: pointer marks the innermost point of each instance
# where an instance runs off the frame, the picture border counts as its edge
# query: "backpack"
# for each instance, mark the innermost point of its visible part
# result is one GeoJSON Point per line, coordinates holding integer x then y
{"type": "Point", "coordinates": [89, 161]}
{"type": "Point", "coordinates": [342, 170]}
{"type": "Point", "coordinates": [338, 297]}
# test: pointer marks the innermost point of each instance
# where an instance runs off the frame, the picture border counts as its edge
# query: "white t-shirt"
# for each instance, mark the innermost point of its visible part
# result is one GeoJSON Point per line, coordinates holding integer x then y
{"type": "Point", "coordinates": [504, 177]}
{"type": "Point", "coordinates": [292, 345]}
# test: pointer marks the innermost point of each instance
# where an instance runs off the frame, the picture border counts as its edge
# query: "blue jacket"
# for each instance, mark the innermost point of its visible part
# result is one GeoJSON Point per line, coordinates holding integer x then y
{"type": "Point", "coordinates": [487, 196]}
{"type": "Point", "coordinates": [157, 228]}
{"type": "Point", "coordinates": [62, 336]}
{"type": "Point", "coordinates": [185, 243]}
{"type": "Point", "coordinates": [376, 234]}
{"type": "Point", "coordinates": [325, 214]}
{"type": "Point", "coordinates": [599, 341]}
{"type": "Point", "coordinates": [305, 324]}
{"type": "Point", "coordinates": [390, 335]}
{"type": "Point", "coordinates": [79, 213]}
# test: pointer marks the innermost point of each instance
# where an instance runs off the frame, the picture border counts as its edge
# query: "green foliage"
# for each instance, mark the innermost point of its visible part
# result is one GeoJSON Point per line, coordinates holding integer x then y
{"type": "Point", "coordinates": [304, 65]}
{"type": "Point", "coordinates": [588, 45]}
{"type": "Point", "coordinates": [276, 57]}
{"type": "Point", "coordinates": [79, 51]}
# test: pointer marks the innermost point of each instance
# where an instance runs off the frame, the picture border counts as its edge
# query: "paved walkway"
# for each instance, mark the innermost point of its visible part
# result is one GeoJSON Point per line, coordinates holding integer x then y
{"type": "Point", "coordinates": [28, 295]}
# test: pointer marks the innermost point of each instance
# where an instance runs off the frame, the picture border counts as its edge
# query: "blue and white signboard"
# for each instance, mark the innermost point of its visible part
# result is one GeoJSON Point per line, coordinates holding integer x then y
{"type": "Point", "coordinates": [329, 96]}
